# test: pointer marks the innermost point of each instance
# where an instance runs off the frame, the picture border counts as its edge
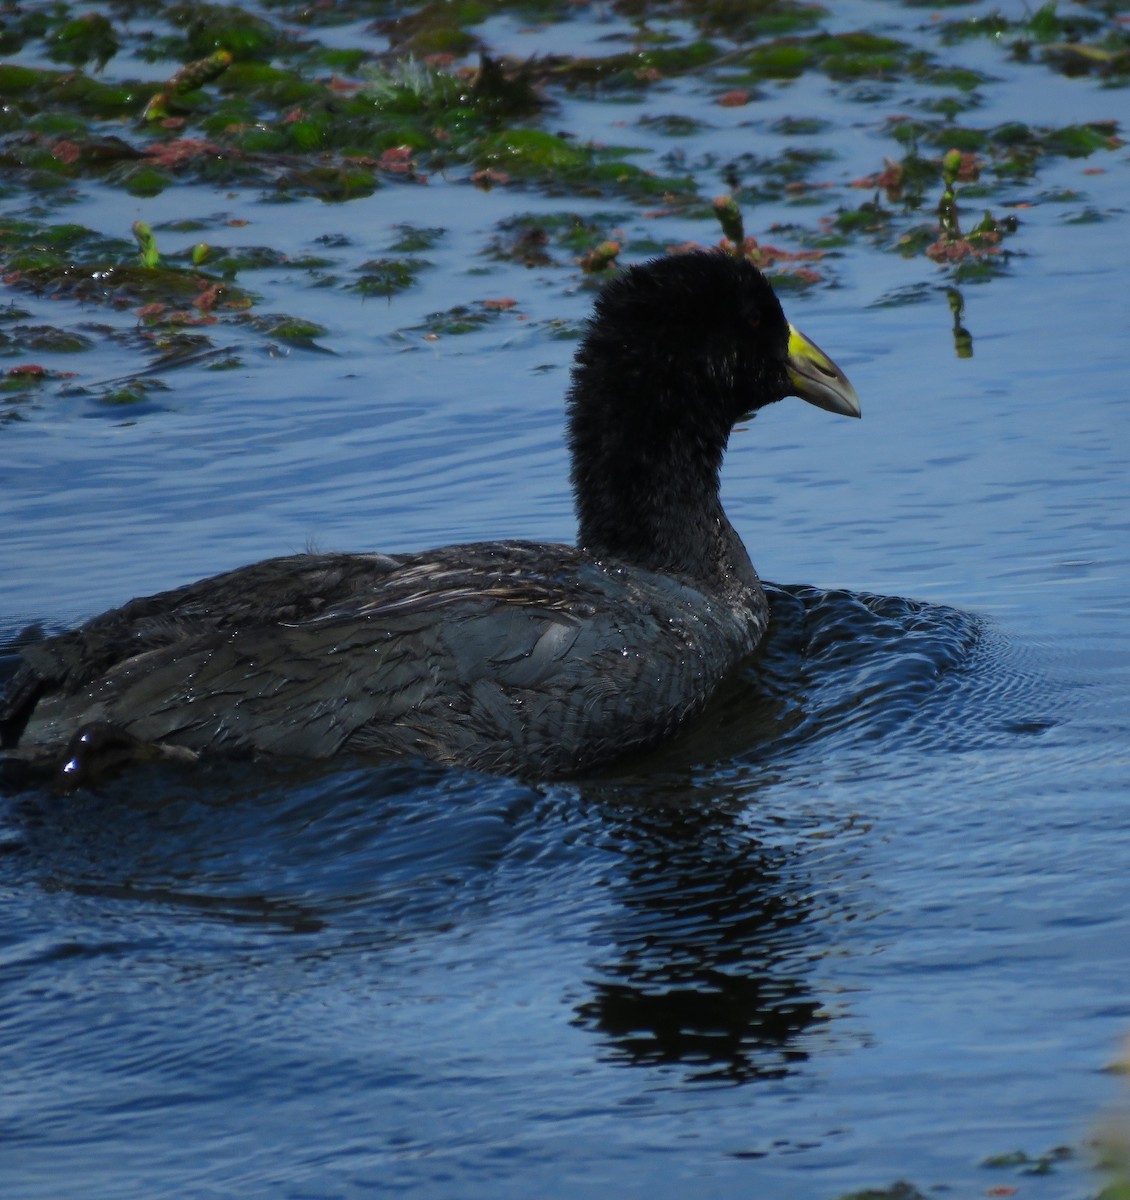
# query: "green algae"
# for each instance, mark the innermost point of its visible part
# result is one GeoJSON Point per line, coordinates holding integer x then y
{"type": "Point", "coordinates": [253, 99]}
{"type": "Point", "coordinates": [1081, 141]}
{"type": "Point", "coordinates": [584, 168]}
{"type": "Point", "coordinates": [202, 29]}
{"type": "Point", "coordinates": [17, 383]}
{"type": "Point", "coordinates": [897, 1191]}
{"type": "Point", "coordinates": [87, 38]}
{"type": "Point", "coordinates": [1066, 40]}
{"type": "Point", "coordinates": [1028, 1164]}
{"type": "Point", "coordinates": [20, 339]}
{"type": "Point", "coordinates": [800, 126]}
{"type": "Point", "coordinates": [435, 28]}
{"type": "Point", "coordinates": [532, 239]}
{"type": "Point", "coordinates": [387, 276]}
{"type": "Point", "coordinates": [534, 152]}
{"type": "Point", "coordinates": [858, 55]}
{"type": "Point", "coordinates": [456, 321]}
{"type": "Point", "coordinates": [407, 87]}
{"type": "Point", "coordinates": [673, 124]}
{"type": "Point", "coordinates": [32, 88]}
{"type": "Point", "coordinates": [69, 261]}
{"type": "Point", "coordinates": [131, 394]}
{"type": "Point", "coordinates": [635, 69]}
{"type": "Point", "coordinates": [850, 55]}
{"type": "Point", "coordinates": [179, 92]}
{"type": "Point", "coordinates": [270, 111]}
{"type": "Point", "coordinates": [781, 60]}
{"type": "Point", "coordinates": [297, 331]}
{"type": "Point", "coordinates": [332, 182]}
{"type": "Point", "coordinates": [411, 239]}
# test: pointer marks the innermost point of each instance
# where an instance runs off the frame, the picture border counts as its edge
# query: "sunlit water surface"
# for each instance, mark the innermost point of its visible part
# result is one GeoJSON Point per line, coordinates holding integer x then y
{"type": "Point", "coordinates": [867, 920]}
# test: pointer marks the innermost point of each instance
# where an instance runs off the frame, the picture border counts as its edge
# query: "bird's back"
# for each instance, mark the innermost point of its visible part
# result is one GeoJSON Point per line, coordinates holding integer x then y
{"type": "Point", "coordinates": [505, 656]}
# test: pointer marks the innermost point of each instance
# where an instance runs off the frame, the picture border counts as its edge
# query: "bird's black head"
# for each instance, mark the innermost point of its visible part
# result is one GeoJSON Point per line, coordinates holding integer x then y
{"type": "Point", "coordinates": [677, 351]}
{"type": "Point", "coordinates": [690, 338]}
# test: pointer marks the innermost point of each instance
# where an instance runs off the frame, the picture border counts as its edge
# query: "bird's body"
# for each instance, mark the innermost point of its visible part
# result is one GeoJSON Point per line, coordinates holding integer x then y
{"type": "Point", "coordinates": [499, 656]}
{"type": "Point", "coordinates": [516, 657]}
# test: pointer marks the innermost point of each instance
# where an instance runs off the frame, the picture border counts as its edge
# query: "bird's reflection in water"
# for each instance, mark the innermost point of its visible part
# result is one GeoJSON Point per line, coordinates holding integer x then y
{"type": "Point", "coordinates": [715, 928]}
{"type": "Point", "coordinates": [709, 945]}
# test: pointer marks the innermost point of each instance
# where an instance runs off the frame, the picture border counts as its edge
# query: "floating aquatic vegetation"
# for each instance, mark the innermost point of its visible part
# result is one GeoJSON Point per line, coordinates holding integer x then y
{"type": "Point", "coordinates": [1112, 62]}
{"type": "Point", "coordinates": [86, 38]}
{"type": "Point", "coordinates": [851, 56]}
{"type": "Point", "coordinates": [188, 79]}
{"type": "Point", "coordinates": [435, 28]}
{"type": "Point", "coordinates": [123, 285]}
{"type": "Point", "coordinates": [148, 253]}
{"type": "Point", "coordinates": [129, 394]}
{"type": "Point", "coordinates": [768, 258]}
{"type": "Point", "coordinates": [461, 319]}
{"type": "Point", "coordinates": [1008, 152]}
{"type": "Point", "coordinates": [634, 69]}
{"type": "Point", "coordinates": [1067, 40]}
{"type": "Point", "coordinates": [331, 181]}
{"type": "Point", "coordinates": [29, 245]}
{"type": "Point", "coordinates": [387, 276]}
{"type": "Point", "coordinates": [533, 154]}
{"type": "Point", "coordinates": [255, 99]}
{"type": "Point", "coordinates": [741, 22]}
{"type": "Point", "coordinates": [32, 88]}
{"type": "Point", "coordinates": [1028, 1164]}
{"type": "Point", "coordinates": [172, 303]}
{"type": "Point", "coordinates": [975, 254]}
{"type": "Point", "coordinates": [295, 330]}
{"type": "Point", "coordinates": [600, 258]}
{"type": "Point", "coordinates": [897, 1191]}
{"type": "Point", "coordinates": [410, 87]}
{"type": "Point", "coordinates": [800, 126]}
{"type": "Point", "coordinates": [50, 339]}
{"type": "Point", "coordinates": [229, 261]}
{"type": "Point", "coordinates": [22, 378]}
{"type": "Point", "coordinates": [530, 238]}
{"type": "Point", "coordinates": [1111, 1144]}
{"type": "Point", "coordinates": [411, 239]}
{"type": "Point", "coordinates": [202, 29]}
{"type": "Point", "coordinates": [673, 124]}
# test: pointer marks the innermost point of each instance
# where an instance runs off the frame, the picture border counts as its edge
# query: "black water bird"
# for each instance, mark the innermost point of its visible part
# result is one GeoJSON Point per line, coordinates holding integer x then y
{"type": "Point", "coordinates": [526, 658]}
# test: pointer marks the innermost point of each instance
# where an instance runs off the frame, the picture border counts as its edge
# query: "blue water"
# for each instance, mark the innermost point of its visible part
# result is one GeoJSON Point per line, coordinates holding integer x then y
{"type": "Point", "coordinates": [867, 920]}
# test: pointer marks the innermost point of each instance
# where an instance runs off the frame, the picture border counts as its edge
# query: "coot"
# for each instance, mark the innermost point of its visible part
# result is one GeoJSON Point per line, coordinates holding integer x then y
{"type": "Point", "coordinates": [525, 658]}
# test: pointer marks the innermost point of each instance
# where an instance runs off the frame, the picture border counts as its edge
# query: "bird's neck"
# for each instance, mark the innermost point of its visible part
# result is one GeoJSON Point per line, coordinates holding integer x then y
{"type": "Point", "coordinates": [654, 502]}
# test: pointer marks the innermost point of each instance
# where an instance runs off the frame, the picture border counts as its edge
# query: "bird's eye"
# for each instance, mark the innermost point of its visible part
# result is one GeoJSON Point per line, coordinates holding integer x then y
{"type": "Point", "coordinates": [753, 319]}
